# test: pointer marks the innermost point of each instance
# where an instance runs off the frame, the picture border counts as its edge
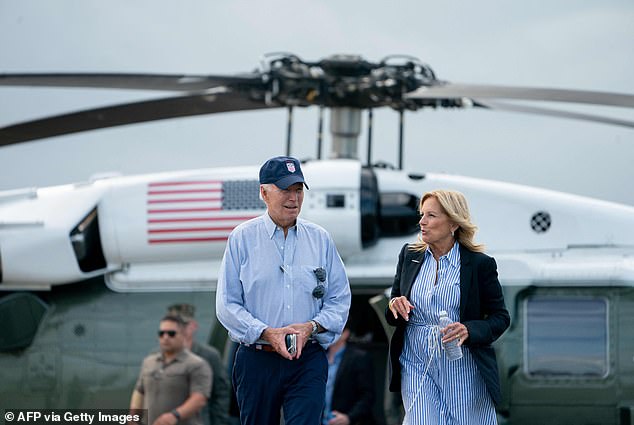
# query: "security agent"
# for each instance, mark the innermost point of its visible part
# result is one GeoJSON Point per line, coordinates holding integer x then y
{"type": "Point", "coordinates": [281, 275]}
{"type": "Point", "coordinates": [174, 384]}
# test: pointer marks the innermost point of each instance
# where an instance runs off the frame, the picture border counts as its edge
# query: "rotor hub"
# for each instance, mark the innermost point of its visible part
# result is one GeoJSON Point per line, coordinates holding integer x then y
{"type": "Point", "coordinates": [347, 81]}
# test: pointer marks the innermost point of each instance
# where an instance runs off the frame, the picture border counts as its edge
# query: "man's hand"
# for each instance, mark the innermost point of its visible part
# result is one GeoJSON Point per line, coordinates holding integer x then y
{"type": "Point", "coordinates": [303, 331]}
{"type": "Point", "coordinates": [166, 419]}
{"type": "Point", "coordinates": [277, 338]}
{"type": "Point", "coordinates": [339, 419]}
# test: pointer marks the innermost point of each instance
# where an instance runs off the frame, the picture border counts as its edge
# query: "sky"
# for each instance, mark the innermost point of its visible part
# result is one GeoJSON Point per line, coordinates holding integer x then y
{"type": "Point", "coordinates": [565, 44]}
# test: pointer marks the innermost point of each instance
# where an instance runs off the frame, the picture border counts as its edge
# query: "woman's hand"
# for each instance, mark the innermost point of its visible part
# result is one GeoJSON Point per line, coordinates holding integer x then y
{"type": "Point", "coordinates": [400, 306]}
{"type": "Point", "coordinates": [455, 331]}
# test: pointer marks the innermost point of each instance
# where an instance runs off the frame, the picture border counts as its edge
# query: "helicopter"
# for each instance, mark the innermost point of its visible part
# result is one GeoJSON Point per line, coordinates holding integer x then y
{"type": "Point", "coordinates": [87, 269]}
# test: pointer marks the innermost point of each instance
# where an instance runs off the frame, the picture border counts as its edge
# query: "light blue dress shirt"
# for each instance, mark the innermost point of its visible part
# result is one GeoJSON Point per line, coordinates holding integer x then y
{"type": "Point", "coordinates": [266, 280]}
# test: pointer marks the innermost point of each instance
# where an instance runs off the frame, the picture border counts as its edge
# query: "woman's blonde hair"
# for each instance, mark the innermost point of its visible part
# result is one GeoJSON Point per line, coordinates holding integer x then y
{"type": "Point", "coordinates": [454, 204]}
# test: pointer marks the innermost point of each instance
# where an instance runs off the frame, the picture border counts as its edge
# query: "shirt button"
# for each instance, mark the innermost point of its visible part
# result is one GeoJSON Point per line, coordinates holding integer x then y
{"type": "Point", "coordinates": [288, 286]}
{"type": "Point", "coordinates": [288, 307]}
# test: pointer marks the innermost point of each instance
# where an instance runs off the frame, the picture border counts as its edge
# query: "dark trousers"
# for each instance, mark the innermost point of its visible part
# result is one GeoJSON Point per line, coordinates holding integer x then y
{"type": "Point", "coordinates": [266, 382]}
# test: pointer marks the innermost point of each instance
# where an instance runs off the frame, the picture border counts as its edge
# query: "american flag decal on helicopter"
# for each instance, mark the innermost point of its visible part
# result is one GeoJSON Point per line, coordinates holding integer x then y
{"type": "Point", "coordinates": [199, 210]}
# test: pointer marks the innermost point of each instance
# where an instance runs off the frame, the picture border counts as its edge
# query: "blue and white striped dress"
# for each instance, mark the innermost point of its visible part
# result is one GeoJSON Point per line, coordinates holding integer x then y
{"type": "Point", "coordinates": [437, 391]}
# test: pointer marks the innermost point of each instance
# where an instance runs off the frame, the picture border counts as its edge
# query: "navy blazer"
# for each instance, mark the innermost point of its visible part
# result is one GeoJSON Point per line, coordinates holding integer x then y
{"type": "Point", "coordinates": [482, 311]}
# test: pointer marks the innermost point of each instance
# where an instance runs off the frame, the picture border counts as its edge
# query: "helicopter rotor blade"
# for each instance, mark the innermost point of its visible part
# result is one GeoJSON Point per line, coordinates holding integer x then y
{"type": "Point", "coordinates": [167, 82]}
{"type": "Point", "coordinates": [284, 80]}
{"type": "Point", "coordinates": [510, 107]}
{"type": "Point", "coordinates": [129, 113]}
{"type": "Point", "coordinates": [475, 91]}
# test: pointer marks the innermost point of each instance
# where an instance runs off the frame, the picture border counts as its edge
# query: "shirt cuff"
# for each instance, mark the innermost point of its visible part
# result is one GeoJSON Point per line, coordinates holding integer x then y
{"type": "Point", "coordinates": [254, 332]}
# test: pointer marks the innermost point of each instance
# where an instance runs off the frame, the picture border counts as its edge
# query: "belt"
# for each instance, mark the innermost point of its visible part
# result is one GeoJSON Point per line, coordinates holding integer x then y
{"type": "Point", "coordinates": [269, 348]}
{"type": "Point", "coordinates": [260, 347]}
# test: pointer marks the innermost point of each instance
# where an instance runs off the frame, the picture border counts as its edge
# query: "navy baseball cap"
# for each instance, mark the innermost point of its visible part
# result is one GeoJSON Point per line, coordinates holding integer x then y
{"type": "Point", "coordinates": [282, 171]}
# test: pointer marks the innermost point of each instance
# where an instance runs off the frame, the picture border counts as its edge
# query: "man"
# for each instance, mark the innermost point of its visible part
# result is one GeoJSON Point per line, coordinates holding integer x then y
{"type": "Point", "coordinates": [174, 384]}
{"type": "Point", "coordinates": [281, 275]}
{"type": "Point", "coordinates": [350, 387]}
{"type": "Point", "coordinates": [217, 410]}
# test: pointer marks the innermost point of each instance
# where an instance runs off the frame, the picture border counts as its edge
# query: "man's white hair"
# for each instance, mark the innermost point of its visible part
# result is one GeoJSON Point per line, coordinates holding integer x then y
{"type": "Point", "coordinates": [266, 187]}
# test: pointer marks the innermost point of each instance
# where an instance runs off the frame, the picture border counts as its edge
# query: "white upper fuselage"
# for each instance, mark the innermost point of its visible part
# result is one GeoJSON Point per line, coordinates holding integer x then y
{"type": "Point", "coordinates": [167, 231]}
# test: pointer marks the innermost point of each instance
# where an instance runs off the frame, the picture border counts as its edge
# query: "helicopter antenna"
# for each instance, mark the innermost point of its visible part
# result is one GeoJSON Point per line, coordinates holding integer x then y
{"type": "Point", "coordinates": [401, 118]}
{"type": "Point", "coordinates": [289, 131]}
{"type": "Point", "coordinates": [320, 131]}
{"type": "Point", "coordinates": [370, 115]}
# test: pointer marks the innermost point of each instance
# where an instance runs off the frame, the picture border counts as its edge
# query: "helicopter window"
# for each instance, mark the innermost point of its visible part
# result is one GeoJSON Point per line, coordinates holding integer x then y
{"type": "Point", "coordinates": [369, 203]}
{"type": "Point", "coordinates": [399, 214]}
{"type": "Point", "coordinates": [86, 241]}
{"type": "Point", "coordinates": [335, 201]}
{"type": "Point", "coordinates": [20, 315]}
{"type": "Point", "coordinates": [566, 336]}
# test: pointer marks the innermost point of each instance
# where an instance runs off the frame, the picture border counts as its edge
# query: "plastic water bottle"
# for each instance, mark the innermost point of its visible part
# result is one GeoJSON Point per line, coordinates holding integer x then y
{"type": "Point", "coordinates": [452, 349]}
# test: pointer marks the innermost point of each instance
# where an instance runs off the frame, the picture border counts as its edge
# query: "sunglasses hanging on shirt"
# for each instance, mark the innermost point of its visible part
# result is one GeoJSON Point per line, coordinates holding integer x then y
{"type": "Point", "coordinates": [320, 289]}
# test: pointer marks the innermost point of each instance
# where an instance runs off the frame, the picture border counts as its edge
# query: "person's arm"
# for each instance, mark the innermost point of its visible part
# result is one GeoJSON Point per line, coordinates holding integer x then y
{"type": "Point", "coordinates": [136, 401]}
{"type": "Point", "coordinates": [398, 305]}
{"type": "Point", "coordinates": [332, 317]}
{"type": "Point", "coordinates": [496, 318]}
{"type": "Point", "coordinates": [230, 296]}
{"type": "Point", "coordinates": [136, 405]}
{"type": "Point", "coordinates": [137, 398]}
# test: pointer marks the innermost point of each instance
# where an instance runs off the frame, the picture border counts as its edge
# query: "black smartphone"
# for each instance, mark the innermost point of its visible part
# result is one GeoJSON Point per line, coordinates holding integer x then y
{"type": "Point", "coordinates": [291, 343]}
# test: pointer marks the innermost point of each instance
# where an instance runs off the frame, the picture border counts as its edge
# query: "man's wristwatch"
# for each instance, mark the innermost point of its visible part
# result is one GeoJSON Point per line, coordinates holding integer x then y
{"type": "Point", "coordinates": [176, 414]}
{"type": "Point", "coordinates": [315, 328]}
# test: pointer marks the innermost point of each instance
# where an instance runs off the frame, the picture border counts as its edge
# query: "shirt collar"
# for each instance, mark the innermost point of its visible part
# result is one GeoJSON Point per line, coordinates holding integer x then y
{"type": "Point", "coordinates": [271, 227]}
{"type": "Point", "coordinates": [453, 256]}
{"type": "Point", "coordinates": [179, 357]}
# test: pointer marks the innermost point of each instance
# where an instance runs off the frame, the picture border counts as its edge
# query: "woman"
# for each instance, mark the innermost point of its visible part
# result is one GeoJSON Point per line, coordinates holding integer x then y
{"type": "Point", "coordinates": [446, 270]}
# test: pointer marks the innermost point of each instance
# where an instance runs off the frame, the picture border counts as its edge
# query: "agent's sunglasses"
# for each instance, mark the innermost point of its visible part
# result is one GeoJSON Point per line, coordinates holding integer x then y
{"type": "Point", "coordinates": [170, 333]}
